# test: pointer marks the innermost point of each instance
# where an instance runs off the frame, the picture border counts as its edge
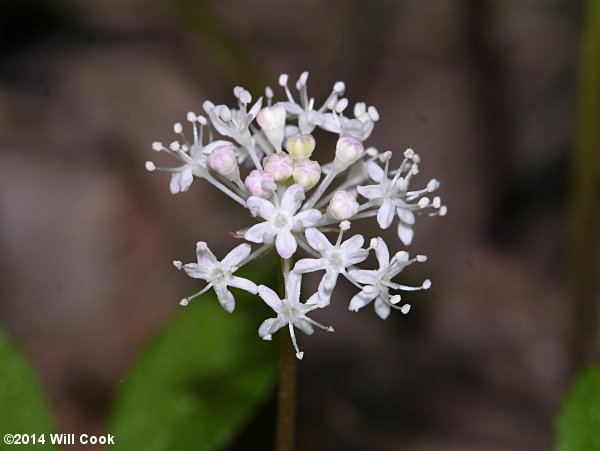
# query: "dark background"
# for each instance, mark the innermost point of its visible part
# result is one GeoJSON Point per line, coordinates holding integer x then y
{"type": "Point", "coordinates": [486, 91]}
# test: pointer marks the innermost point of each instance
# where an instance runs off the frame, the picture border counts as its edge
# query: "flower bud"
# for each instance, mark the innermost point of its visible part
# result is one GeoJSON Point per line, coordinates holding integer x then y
{"type": "Point", "coordinates": [280, 166]}
{"type": "Point", "coordinates": [300, 146]}
{"type": "Point", "coordinates": [260, 183]}
{"type": "Point", "coordinates": [222, 160]}
{"type": "Point", "coordinates": [343, 206]}
{"type": "Point", "coordinates": [307, 173]}
{"type": "Point", "coordinates": [272, 120]}
{"type": "Point", "coordinates": [348, 151]}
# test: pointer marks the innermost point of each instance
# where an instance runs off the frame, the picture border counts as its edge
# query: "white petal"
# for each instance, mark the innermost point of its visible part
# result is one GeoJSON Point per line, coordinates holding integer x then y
{"type": "Point", "coordinates": [327, 285]}
{"type": "Point", "coordinates": [360, 300]}
{"type": "Point", "coordinates": [370, 191]}
{"type": "Point", "coordinates": [309, 265]}
{"type": "Point", "coordinates": [375, 171]}
{"type": "Point", "coordinates": [406, 216]}
{"type": "Point", "coordinates": [385, 214]}
{"type": "Point", "coordinates": [405, 233]}
{"type": "Point", "coordinates": [270, 297]}
{"type": "Point", "coordinates": [292, 198]}
{"type": "Point", "coordinates": [352, 244]}
{"type": "Point", "coordinates": [243, 284]}
{"type": "Point", "coordinates": [329, 123]}
{"type": "Point", "coordinates": [205, 256]}
{"type": "Point", "coordinates": [270, 326]}
{"type": "Point", "coordinates": [225, 297]}
{"type": "Point", "coordinates": [304, 326]}
{"type": "Point", "coordinates": [292, 108]}
{"type": "Point", "coordinates": [292, 287]}
{"type": "Point", "coordinates": [236, 255]}
{"type": "Point", "coordinates": [254, 111]}
{"type": "Point", "coordinates": [307, 218]}
{"type": "Point", "coordinates": [382, 309]}
{"type": "Point", "coordinates": [196, 271]}
{"type": "Point", "coordinates": [285, 243]}
{"type": "Point", "coordinates": [260, 233]}
{"type": "Point", "coordinates": [317, 240]}
{"type": "Point", "coordinates": [261, 207]}
{"type": "Point", "coordinates": [382, 253]}
{"type": "Point", "coordinates": [355, 257]}
{"type": "Point", "coordinates": [187, 177]}
{"type": "Point", "coordinates": [364, 276]}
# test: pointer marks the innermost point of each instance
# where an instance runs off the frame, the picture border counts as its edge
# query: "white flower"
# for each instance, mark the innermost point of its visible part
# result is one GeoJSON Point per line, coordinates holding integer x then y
{"type": "Point", "coordinates": [379, 282]}
{"type": "Point", "coordinates": [218, 274]}
{"type": "Point", "coordinates": [281, 220]}
{"type": "Point", "coordinates": [361, 126]}
{"type": "Point", "coordinates": [308, 116]}
{"type": "Point", "coordinates": [290, 311]}
{"type": "Point", "coordinates": [393, 197]}
{"type": "Point", "coordinates": [335, 259]}
{"type": "Point", "coordinates": [234, 122]}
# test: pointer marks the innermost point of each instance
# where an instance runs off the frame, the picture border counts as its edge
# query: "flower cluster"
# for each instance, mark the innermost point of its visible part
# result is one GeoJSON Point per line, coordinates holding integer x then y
{"type": "Point", "coordinates": [263, 160]}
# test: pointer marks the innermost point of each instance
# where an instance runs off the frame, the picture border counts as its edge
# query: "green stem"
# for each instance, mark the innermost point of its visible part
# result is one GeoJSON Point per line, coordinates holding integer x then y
{"type": "Point", "coordinates": [583, 241]}
{"type": "Point", "coordinates": [286, 394]}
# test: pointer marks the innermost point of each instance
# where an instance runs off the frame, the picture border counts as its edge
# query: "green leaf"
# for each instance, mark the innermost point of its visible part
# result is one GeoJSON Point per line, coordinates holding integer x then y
{"type": "Point", "coordinates": [23, 408]}
{"type": "Point", "coordinates": [578, 424]}
{"type": "Point", "coordinates": [199, 382]}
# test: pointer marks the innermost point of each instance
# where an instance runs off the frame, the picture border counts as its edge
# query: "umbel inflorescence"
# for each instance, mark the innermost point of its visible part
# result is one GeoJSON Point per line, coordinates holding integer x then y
{"type": "Point", "coordinates": [259, 155]}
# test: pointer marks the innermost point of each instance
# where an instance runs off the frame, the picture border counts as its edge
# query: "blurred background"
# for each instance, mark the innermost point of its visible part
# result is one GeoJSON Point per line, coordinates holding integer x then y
{"type": "Point", "coordinates": [487, 91]}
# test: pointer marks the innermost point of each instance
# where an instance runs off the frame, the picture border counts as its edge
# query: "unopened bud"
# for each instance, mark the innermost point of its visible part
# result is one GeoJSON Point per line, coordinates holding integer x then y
{"type": "Point", "coordinates": [307, 173]}
{"type": "Point", "coordinates": [280, 166]}
{"type": "Point", "coordinates": [272, 120]}
{"type": "Point", "coordinates": [260, 183]}
{"type": "Point", "coordinates": [300, 146]}
{"type": "Point", "coordinates": [222, 160]}
{"type": "Point", "coordinates": [343, 206]}
{"type": "Point", "coordinates": [348, 151]}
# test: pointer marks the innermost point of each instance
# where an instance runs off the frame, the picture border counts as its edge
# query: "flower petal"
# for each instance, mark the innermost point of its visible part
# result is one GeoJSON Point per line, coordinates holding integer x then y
{"type": "Point", "coordinates": [285, 243]}
{"type": "Point", "coordinates": [361, 299]}
{"type": "Point", "coordinates": [270, 326]}
{"type": "Point", "coordinates": [382, 309]}
{"type": "Point", "coordinates": [370, 191]}
{"type": "Point", "coordinates": [317, 240]}
{"type": "Point", "coordinates": [375, 172]}
{"type": "Point", "coordinates": [205, 256]}
{"type": "Point", "coordinates": [292, 198]}
{"type": "Point", "coordinates": [405, 233]}
{"type": "Point", "coordinates": [261, 207]}
{"type": "Point", "coordinates": [382, 253]}
{"type": "Point", "coordinates": [406, 216]}
{"type": "Point", "coordinates": [225, 297]}
{"type": "Point", "coordinates": [262, 232]}
{"type": "Point", "coordinates": [243, 284]}
{"type": "Point", "coordinates": [309, 265]}
{"type": "Point", "coordinates": [304, 326]}
{"type": "Point", "coordinates": [307, 218]}
{"type": "Point", "coordinates": [196, 271]}
{"type": "Point", "coordinates": [385, 214]}
{"type": "Point", "coordinates": [352, 244]}
{"type": "Point", "coordinates": [326, 287]}
{"type": "Point", "coordinates": [270, 298]}
{"type": "Point", "coordinates": [292, 287]}
{"type": "Point", "coordinates": [236, 255]}
{"type": "Point", "coordinates": [364, 276]}
{"type": "Point", "coordinates": [292, 108]}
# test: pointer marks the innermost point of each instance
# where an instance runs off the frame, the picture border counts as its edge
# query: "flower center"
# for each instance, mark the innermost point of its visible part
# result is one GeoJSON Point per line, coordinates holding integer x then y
{"type": "Point", "coordinates": [336, 260]}
{"type": "Point", "coordinates": [281, 220]}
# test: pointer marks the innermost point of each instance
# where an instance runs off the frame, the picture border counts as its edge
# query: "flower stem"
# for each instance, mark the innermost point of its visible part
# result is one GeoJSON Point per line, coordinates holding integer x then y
{"type": "Point", "coordinates": [286, 393]}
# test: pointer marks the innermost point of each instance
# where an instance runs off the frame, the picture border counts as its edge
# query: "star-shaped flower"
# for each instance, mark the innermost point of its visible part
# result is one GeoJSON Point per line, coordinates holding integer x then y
{"type": "Point", "coordinates": [379, 282]}
{"type": "Point", "coordinates": [335, 259]}
{"type": "Point", "coordinates": [281, 220]}
{"type": "Point", "coordinates": [290, 311]}
{"type": "Point", "coordinates": [393, 197]}
{"type": "Point", "coordinates": [218, 274]}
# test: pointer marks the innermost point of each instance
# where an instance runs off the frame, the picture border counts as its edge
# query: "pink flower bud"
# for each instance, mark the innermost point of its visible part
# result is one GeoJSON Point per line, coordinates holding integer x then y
{"type": "Point", "coordinates": [348, 151]}
{"type": "Point", "coordinates": [222, 160]}
{"type": "Point", "coordinates": [272, 120]}
{"type": "Point", "coordinates": [280, 166]}
{"type": "Point", "coordinates": [343, 206]}
{"type": "Point", "coordinates": [307, 173]}
{"type": "Point", "coordinates": [260, 183]}
{"type": "Point", "coordinates": [300, 146]}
